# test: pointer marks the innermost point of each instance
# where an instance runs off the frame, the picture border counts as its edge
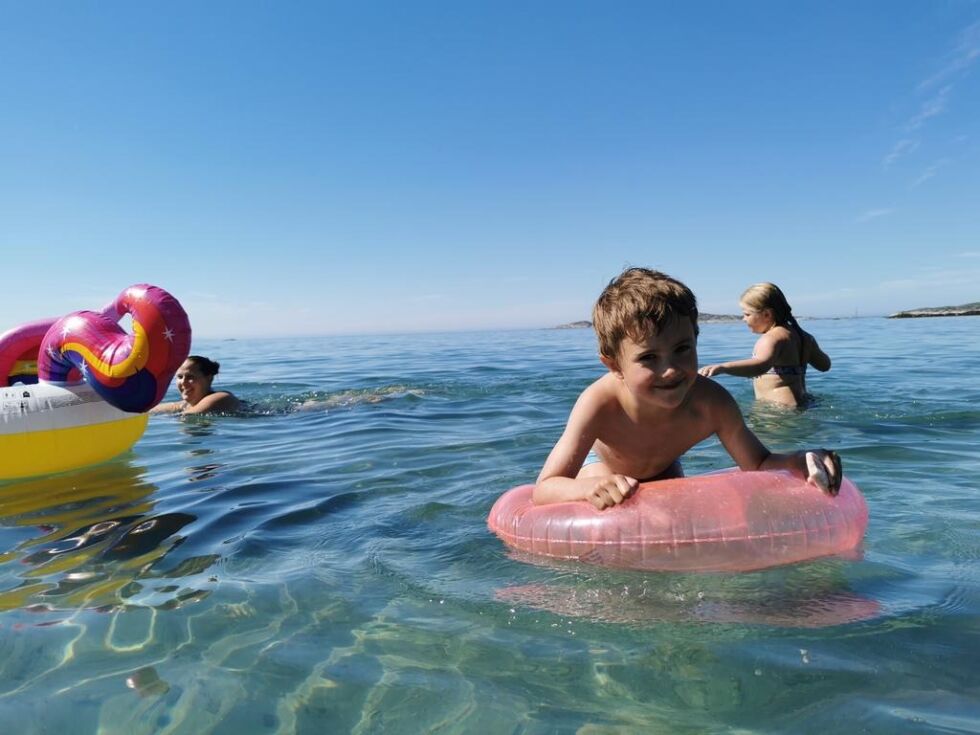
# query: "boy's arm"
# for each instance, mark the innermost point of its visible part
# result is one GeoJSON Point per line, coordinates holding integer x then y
{"type": "Point", "coordinates": [818, 467]}
{"type": "Point", "coordinates": [763, 359]}
{"type": "Point", "coordinates": [558, 482]}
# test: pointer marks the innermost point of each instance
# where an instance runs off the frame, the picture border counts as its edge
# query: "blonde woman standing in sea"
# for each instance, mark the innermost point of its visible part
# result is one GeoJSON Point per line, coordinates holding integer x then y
{"type": "Point", "coordinates": [781, 354]}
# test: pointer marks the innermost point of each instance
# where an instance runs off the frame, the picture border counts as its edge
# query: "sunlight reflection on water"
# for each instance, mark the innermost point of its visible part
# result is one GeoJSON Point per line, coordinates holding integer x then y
{"type": "Point", "coordinates": [281, 570]}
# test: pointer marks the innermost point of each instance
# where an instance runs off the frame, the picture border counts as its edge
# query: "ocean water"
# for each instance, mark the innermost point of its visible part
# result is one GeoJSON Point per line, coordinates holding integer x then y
{"type": "Point", "coordinates": [323, 564]}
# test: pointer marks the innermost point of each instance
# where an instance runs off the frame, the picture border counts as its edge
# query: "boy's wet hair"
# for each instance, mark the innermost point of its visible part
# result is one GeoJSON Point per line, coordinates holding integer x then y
{"type": "Point", "coordinates": [637, 303]}
{"type": "Point", "coordinates": [207, 366]}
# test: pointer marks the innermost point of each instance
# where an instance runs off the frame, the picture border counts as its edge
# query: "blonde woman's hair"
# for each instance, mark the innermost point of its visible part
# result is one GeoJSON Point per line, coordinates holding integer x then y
{"type": "Point", "coordinates": [768, 296]}
{"type": "Point", "coordinates": [637, 303]}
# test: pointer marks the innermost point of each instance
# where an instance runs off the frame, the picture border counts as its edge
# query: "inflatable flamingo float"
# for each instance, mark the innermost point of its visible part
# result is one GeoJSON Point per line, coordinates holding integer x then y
{"type": "Point", "coordinates": [75, 391]}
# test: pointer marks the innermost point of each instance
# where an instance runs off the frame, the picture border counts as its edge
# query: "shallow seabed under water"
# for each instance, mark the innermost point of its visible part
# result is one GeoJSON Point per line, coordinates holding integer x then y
{"type": "Point", "coordinates": [323, 564]}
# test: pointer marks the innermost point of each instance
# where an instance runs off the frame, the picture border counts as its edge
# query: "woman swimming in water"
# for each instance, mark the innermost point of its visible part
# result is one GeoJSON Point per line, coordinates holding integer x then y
{"type": "Point", "coordinates": [781, 355]}
{"type": "Point", "coordinates": [194, 379]}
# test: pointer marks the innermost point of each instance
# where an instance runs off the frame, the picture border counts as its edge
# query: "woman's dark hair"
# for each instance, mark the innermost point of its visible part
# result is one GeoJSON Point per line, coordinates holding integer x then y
{"type": "Point", "coordinates": [205, 365]}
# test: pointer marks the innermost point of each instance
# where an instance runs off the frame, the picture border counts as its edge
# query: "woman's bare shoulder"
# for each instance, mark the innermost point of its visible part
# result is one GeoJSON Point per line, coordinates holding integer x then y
{"type": "Point", "coordinates": [780, 333]}
{"type": "Point", "coordinates": [218, 402]}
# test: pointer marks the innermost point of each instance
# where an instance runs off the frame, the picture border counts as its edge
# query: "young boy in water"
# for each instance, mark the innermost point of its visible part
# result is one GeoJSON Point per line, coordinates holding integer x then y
{"type": "Point", "coordinates": [652, 406]}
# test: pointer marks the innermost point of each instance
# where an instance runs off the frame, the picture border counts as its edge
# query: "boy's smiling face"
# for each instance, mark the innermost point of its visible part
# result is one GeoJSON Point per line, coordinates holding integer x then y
{"type": "Point", "coordinates": [659, 369]}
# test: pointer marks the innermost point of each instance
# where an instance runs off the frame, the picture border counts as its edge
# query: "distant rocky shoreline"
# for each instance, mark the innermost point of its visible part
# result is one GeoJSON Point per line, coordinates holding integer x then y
{"type": "Point", "coordinates": [972, 309]}
{"type": "Point", "coordinates": [702, 319]}
{"type": "Point", "coordinates": [964, 310]}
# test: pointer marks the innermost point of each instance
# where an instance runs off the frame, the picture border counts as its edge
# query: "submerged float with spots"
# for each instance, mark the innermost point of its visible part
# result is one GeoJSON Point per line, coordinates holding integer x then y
{"type": "Point", "coordinates": [75, 391]}
{"type": "Point", "coordinates": [728, 521]}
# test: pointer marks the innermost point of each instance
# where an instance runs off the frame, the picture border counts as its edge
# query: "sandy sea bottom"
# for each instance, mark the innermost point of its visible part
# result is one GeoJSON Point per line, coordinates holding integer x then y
{"type": "Point", "coordinates": [323, 563]}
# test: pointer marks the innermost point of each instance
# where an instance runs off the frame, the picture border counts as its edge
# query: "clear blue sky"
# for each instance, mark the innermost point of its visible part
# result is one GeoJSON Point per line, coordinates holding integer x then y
{"type": "Point", "coordinates": [322, 167]}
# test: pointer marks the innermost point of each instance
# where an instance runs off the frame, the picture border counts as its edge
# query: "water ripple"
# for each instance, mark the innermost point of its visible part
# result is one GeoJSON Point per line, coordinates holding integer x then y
{"type": "Point", "coordinates": [285, 568]}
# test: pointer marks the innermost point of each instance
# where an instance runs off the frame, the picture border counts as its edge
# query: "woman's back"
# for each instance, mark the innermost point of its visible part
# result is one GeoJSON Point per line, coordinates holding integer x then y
{"type": "Point", "coordinates": [785, 381]}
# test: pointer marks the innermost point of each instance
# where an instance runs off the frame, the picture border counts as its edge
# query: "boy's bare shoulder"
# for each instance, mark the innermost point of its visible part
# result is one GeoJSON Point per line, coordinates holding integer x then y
{"type": "Point", "coordinates": [599, 394]}
{"type": "Point", "coordinates": [603, 385]}
{"type": "Point", "coordinates": [711, 396]}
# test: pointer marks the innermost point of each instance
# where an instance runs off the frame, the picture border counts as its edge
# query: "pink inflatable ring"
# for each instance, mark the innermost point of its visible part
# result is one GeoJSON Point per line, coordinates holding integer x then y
{"type": "Point", "coordinates": [725, 521]}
